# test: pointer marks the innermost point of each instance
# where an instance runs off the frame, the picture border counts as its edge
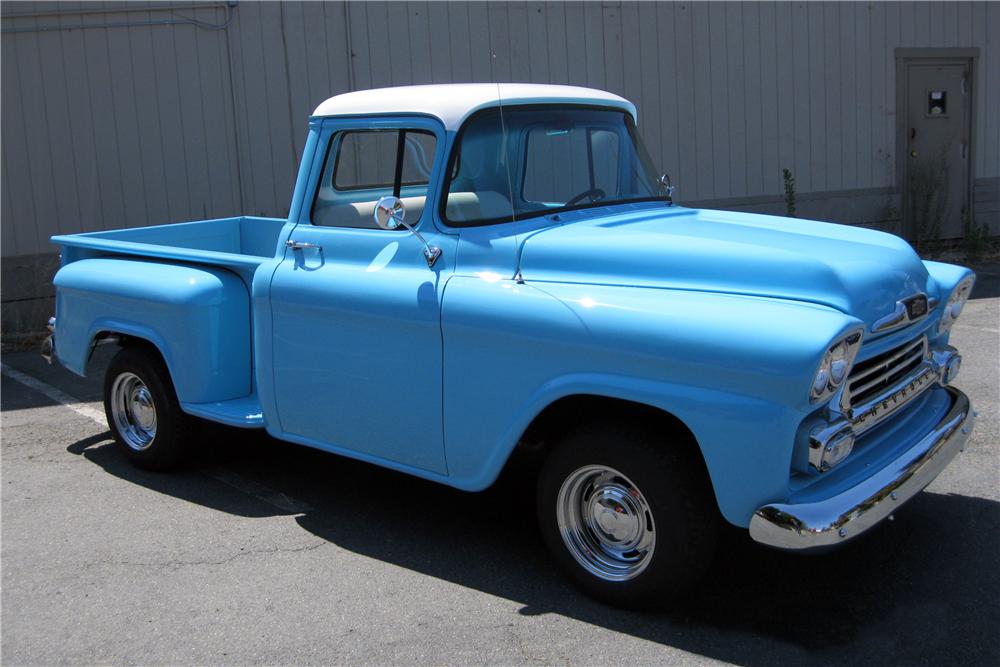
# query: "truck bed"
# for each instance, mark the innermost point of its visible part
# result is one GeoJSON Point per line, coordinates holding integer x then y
{"type": "Point", "coordinates": [241, 244]}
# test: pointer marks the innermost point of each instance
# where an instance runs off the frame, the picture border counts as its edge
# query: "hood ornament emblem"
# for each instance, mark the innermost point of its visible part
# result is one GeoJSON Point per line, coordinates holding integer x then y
{"type": "Point", "coordinates": [907, 311]}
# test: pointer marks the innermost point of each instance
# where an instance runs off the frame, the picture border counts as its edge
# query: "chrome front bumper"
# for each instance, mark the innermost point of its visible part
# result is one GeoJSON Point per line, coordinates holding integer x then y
{"type": "Point", "coordinates": [846, 515]}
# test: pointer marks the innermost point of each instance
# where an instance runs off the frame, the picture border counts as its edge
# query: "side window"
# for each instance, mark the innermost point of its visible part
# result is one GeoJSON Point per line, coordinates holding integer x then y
{"type": "Point", "coordinates": [362, 166]}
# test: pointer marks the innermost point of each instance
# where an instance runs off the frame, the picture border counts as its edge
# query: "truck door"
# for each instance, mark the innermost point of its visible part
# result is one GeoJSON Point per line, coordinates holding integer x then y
{"type": "Point", "coordinates": [356, 308]}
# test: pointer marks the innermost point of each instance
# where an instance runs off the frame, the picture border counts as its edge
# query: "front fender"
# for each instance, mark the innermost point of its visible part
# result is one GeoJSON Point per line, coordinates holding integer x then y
{"type": "Point", "coordinates": [735, 369]}
{"type": "Point", "coordinates": [944, 278]}
{"type": "Point", "coordinates": [197, 317]}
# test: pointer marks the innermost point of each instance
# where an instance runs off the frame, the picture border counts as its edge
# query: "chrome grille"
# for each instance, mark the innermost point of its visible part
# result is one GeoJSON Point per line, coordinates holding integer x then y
{"type": "Point", "coordinates": [871, 377]}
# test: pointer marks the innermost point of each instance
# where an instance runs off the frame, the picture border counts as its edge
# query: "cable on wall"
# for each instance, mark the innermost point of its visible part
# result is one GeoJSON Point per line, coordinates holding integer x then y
{"type": "Point", "coordinates": [171, 9]}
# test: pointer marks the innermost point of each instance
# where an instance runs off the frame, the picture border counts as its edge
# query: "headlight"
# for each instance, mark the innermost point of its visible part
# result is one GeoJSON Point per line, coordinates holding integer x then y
{"type": "Point", "coordinates": [835, 366]}
{"type": "Point", "coordinates": [953, 308]}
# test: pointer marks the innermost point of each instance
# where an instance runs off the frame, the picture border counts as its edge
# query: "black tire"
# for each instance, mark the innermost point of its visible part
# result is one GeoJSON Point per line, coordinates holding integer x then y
{"type": "Point", "coordinates": [142, 374]}
{"type": "Point", "coordinates": [673, 489]}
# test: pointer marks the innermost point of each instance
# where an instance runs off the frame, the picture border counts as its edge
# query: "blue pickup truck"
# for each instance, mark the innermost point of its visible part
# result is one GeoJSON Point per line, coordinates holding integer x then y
{"type": "Point", "coordinates": [467, 271]}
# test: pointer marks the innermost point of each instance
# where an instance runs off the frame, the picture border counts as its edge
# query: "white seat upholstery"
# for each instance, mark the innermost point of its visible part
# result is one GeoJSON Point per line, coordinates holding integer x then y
{"type": "Point", "coordinates": [461, 207]}
{"type": "Point", "coordinates": [362, 214]}
{"type": "Point", "coordinates": [485, 205]}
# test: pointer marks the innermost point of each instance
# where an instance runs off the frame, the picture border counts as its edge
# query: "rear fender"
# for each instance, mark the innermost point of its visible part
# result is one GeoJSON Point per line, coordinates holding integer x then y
{"type": "Point", "coordinates": [197, 317]}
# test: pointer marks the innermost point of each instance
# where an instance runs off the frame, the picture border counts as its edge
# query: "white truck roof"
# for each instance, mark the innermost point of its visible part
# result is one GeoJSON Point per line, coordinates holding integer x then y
{"type": "Point", "coordinates": [452, 103]}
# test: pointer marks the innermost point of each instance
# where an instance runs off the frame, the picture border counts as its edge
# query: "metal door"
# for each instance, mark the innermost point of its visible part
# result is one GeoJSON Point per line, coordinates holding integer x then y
{"type": "Point", "coordinates": [356, 327]}
{"type": "Point", "coordinates": [937, 138]}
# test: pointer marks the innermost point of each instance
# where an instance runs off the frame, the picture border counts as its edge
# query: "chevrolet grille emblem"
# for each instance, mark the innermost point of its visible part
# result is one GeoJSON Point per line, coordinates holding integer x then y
{"type": "Point", "coordinates": [916, 306]}
{"type": "Point", "coordinates": [907, 310]}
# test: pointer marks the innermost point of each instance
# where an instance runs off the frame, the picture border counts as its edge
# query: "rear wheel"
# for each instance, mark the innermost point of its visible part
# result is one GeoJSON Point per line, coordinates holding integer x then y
{"type": "Point", "coordinates": [142, 410]}
{"type": "Point", "coordinates": [630, 517]}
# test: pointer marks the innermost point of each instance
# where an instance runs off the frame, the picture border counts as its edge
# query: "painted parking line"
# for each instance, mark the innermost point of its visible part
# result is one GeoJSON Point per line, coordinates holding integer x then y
{"type": "Point", "coordinates": [248, 486]}
{"type": "Point", "coordinates": [56, 395]}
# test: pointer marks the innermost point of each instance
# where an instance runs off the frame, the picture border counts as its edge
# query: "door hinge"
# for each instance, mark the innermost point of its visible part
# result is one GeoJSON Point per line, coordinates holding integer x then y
{"type": "Point", "coordinates": [965, 86]}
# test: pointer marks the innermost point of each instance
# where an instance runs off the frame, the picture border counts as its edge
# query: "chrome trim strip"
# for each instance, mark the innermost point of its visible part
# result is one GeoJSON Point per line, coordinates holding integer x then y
{"type": "Point", "coordinates": [892, 320]}
{"type": "Point", "coordinates": [878, 409]}
{"type": "Point", "coordinates": [849, 514]}
{"type": "Point", "coordinates": [48, 350]}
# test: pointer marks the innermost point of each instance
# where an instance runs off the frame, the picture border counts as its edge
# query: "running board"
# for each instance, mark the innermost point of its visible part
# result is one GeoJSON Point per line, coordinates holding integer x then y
{"type": "Point", "coordinates": [240, 412]}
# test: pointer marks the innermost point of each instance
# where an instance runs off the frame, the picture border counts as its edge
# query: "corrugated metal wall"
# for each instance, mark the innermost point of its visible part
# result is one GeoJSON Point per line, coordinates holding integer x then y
{"type": "Point", "coordinates": [118, 118]}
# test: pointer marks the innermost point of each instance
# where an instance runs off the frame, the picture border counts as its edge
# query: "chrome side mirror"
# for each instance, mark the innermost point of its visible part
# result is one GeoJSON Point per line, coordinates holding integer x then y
{"type": "Point", "coordinates": [390, 214]}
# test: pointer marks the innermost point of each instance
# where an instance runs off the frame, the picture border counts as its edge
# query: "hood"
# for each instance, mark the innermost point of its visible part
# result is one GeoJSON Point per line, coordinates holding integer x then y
{"type": "Point", "coordinates": [858, 271]}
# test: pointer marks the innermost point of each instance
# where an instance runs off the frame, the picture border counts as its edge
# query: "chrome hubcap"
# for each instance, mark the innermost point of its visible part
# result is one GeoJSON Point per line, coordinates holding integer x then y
{"type": "Point", "coordinates": [605, 523]}
{"type": "Point", "coordinates": [133, 411]}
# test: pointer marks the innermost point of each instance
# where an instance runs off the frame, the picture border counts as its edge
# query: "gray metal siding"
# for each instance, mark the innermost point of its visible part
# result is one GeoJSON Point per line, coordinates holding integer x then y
{"type": "Point", "coordinates": [117, 126]}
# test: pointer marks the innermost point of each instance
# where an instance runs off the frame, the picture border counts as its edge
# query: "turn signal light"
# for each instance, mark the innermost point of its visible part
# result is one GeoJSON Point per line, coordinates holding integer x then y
{"type": "Point", "coordinates": [827, 447]}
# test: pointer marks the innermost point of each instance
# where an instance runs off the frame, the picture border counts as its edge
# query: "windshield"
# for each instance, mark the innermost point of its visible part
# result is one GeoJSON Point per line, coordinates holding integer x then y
{"type": "Point", "coordinates": [535, 160]}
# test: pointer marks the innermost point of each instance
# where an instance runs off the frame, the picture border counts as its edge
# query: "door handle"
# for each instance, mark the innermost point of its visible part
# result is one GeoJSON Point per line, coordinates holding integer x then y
{"type": "Point", "coordinates": [296, 245]}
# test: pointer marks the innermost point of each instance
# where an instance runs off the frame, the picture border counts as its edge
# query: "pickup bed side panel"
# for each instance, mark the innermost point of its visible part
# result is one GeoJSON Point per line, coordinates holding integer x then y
{"type": "Point", "coordinates": [736, 370]}
{"type": "Point", "coordinates": [197, 316]}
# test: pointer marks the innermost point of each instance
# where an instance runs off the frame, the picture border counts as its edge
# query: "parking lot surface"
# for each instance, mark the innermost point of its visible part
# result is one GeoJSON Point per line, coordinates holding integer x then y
{"type": "Point", "coordinates": [262, 552]}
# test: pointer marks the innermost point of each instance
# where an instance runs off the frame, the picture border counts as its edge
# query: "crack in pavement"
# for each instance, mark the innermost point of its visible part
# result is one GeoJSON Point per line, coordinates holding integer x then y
{"type": "Point", "coordinates": [178, 564]}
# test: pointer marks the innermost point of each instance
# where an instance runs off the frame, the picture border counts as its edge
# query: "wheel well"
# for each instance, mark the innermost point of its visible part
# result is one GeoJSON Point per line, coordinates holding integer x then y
{"type": "Point", "coordinates": [133, 341]}
{"type": "Point", "coordinates": [119, 340]}
{"type": "Point", "coordinates": [572, 411]}
{"type": "Point", "coordinates": [553, 421]}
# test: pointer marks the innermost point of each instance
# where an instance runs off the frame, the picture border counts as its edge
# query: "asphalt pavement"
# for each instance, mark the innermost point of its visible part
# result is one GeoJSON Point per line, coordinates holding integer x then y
{"type": "Point", "coordinates": [263, 552]}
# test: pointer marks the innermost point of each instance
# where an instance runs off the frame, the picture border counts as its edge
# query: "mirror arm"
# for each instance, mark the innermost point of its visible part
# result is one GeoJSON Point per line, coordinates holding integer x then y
{"type": "Point", "coordinates": [667, 186]}
{"type": "Point", "coordinates": [431, 252]}
{"type": "Point", "coordinates": [391, 210]}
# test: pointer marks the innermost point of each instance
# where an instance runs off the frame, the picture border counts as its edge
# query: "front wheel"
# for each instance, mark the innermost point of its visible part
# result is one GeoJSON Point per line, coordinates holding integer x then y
{"type": "Point", "coordinates": [145, 418]}
{"type": "Point", "coordinates": [629, 517]}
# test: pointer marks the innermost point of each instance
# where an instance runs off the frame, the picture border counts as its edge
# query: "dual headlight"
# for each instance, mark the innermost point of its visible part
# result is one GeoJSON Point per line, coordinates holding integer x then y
{"type": "Point", "coordinates": [953, 308]}
{"type": "Point", "coordinates": [835, 366]}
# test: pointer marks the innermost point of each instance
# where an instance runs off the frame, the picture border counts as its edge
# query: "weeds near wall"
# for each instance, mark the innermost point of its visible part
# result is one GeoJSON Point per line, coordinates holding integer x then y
{"type": "Point", "coordinates": [928, 200]}
{"type": "Point", "coordinates": [789, 179]}
{"type": "Point", "coordinates": [977, 237]}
